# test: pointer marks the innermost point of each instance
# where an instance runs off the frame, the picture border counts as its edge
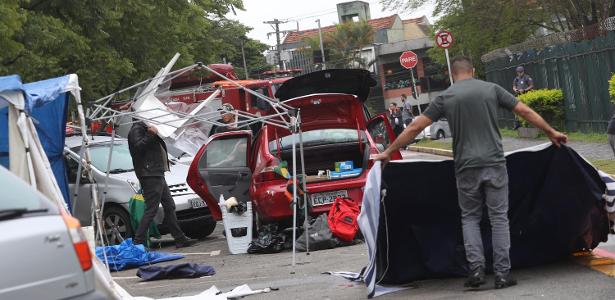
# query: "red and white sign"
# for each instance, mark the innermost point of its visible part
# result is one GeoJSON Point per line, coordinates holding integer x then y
{"type": "Point", "coordinates": [408, 59]}
{"type": "Point", "coordinates": [444, 39]}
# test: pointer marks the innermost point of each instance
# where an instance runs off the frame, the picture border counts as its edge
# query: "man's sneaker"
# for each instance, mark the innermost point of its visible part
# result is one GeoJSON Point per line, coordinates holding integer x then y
{"type": "Point", "coordinates": [185, 243]}
{"type": "Point", "coordinates": [504, 281]}
{"type": "Point", "coordinates": [476, 278]}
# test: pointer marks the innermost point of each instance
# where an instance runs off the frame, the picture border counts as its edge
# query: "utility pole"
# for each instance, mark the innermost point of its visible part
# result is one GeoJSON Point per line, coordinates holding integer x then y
{"type": "Point", "coordinates": [322, 49]}
{"type": "Point", "coordinates": [243, 54]}
{"type": "Point", "coordinates": [275, 24]}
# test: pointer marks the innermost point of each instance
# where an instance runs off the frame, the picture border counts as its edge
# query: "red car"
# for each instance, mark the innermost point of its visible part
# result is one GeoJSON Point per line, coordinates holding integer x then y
{"type": "Point", "coordinates": [336, 127]}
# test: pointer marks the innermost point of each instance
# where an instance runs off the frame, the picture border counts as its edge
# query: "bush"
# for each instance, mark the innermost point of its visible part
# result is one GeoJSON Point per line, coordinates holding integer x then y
{"type": "Point", "coordinates": [547, 103]}
{"type": "Point", "coordinates": [612, 88]}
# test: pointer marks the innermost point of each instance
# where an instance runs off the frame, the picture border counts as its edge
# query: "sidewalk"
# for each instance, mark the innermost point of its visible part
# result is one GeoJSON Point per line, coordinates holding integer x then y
{"type": "Point", "coordinates": [589, 150]}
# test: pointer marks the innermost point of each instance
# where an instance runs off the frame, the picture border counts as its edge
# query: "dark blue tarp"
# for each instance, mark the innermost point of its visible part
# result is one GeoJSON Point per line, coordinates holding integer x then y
{"type": "Point", "coordinates": [47, 104]}
{"type": "Point", "coordinates": [556, 208]}
{"type": "Point", "coordinates": [128, 255]}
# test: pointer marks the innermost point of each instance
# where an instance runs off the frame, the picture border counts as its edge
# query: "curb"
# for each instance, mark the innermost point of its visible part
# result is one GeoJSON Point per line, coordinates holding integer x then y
{"type": "Point", "coordinates": [435, 151]}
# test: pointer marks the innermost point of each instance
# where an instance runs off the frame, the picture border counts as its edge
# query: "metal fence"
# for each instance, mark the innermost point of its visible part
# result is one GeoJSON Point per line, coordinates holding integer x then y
{"type": "Point", "coordinates": [580, 66]}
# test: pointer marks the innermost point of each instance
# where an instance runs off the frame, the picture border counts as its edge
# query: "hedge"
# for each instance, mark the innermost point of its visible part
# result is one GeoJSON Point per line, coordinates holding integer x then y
{"type": "Point", "coordinates": [612, 88]}
{"type": "Point", "coordinates": [547, 103]}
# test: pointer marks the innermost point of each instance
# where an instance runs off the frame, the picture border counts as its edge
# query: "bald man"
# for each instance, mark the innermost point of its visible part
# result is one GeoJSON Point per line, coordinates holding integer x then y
{"type": "Point", "coordinates": [470, 105]}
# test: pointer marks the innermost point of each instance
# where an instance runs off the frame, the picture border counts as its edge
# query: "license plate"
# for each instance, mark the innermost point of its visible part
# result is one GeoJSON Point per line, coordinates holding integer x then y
{"type": "Point", "coordinates": [197, 203]}
{"type": "Point", "coordinates": [327, 197]}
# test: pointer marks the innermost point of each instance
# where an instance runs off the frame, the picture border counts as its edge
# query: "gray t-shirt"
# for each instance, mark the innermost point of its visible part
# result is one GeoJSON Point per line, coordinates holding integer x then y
{"type": "Point", "coordinates": [471, 109]}
{"type": "Point", "coordinates": [406, 114]}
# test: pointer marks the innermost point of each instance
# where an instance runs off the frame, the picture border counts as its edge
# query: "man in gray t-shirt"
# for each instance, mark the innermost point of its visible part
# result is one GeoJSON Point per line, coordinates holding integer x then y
{"type": "Point", "coordinates": [406, 113]}
{"type": "Point", "coordinates": [470, 106]}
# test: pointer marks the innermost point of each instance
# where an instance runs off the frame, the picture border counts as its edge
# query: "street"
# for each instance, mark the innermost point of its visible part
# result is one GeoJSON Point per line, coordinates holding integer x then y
{"type": "Point", "coordinates": [575, 278]}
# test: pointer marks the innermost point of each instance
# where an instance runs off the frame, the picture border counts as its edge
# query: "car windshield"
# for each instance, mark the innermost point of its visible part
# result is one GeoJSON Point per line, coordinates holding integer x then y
{"type": "Point", "coordinates": [18, 198]}
{"type": "Point", "coordinates": [121, 161]}
{"type": "Point", "coordinates": [318, 137]}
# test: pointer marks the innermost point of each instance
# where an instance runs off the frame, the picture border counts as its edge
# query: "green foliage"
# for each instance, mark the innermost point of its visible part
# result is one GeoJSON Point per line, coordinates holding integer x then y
{"type": "Point", "coordinates": [547, 103]}
{"type": "Point", "coordinates": [343, 44]}
{"type": "Point", "coordinates": [612, 89]}
{"type": "Point", "coordinates": [110, 44]}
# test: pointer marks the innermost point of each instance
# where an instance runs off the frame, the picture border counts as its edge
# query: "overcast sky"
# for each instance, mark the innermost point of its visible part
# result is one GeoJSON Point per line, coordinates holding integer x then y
{"type": "Point", "coordinates": [305, 12]}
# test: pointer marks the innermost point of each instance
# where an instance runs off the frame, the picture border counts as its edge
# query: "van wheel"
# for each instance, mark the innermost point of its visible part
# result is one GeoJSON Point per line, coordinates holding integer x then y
{"type": "Point", "coordinates": [440, 135]}
{"type": "Point", "coordinates": [116, 223]}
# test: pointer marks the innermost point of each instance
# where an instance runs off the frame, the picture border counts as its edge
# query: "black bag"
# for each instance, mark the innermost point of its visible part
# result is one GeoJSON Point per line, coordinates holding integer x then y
{"type": "Point", "coordinates": [320, 236]}
{"type": "Point", "coordinates": [269, 240]}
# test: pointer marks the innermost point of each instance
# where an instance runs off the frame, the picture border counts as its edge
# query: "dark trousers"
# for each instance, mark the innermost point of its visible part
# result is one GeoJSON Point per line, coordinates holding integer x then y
{"type": "Point", "coordinates": [156, 192]}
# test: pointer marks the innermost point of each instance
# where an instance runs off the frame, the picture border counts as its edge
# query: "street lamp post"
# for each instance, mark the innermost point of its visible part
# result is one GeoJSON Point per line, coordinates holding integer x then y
{"type": "Point", "coordinates": [322, 49]}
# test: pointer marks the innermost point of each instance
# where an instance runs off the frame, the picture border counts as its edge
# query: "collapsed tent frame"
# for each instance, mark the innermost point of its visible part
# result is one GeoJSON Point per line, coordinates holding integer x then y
{"type": "Point", "coordinates": [285, 117]}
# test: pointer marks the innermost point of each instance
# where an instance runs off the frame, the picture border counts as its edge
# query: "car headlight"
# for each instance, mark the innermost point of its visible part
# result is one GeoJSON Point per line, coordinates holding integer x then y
{"type": "Point", "coordinates": [135, 186]}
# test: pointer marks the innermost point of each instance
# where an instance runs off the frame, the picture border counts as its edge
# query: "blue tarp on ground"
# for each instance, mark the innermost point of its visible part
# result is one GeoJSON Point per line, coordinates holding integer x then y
{"type": "Point", "coordinates": [46, 101]}
{"type": "Point", "coordinates": [127, 255]}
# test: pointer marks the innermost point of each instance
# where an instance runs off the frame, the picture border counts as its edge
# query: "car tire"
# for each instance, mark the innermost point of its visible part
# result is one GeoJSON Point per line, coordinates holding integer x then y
{"type": "Point", "coordinates": [201, 232]}
{"type": "Point", "coordinates": [116, 223]}
{"type": "Point", "coordinates": [440, 135]}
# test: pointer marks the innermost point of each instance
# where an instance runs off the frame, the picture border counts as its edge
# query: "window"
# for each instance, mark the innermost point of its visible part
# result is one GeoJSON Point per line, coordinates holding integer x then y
{"type": "Point", "coordinates": [317, 137]}
{"type": "Point", "coordinates": [227, 153]}
{"type": "Point", "coordinates": [378, 130]}
{"type": "Point", "coordinates": [16, 194]}
{"type": "Point", "coordinates": [121, 161]}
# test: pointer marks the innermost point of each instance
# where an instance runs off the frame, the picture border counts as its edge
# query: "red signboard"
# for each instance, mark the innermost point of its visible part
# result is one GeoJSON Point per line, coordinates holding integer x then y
{"type": "Point", "coordinates": [444, 39]}
{"type": "Point", "coordinates": [408, 59]}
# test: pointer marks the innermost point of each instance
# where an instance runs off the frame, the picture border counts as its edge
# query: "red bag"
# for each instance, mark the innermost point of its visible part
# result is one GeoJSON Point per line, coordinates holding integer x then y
{"type": "Point", "coordinates": [343, 219]}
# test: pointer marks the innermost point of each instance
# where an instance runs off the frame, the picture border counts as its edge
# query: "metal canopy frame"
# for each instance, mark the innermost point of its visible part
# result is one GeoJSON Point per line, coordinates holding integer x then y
{"type": "Point", "coordinates": [285, 117]}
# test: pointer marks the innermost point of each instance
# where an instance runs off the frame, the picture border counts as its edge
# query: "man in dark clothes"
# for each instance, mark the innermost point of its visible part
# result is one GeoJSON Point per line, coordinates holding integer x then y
{"type": "Point", "coordinates": [610, 132]}
{"type": "Point", "coordinates": [470, 105]}
{"type": "Point", "coordinates": [150, 160]}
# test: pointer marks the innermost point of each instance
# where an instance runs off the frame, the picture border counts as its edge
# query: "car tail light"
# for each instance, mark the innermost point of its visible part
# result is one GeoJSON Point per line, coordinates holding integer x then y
{"type": "Point", "coordinates": [80, 243]}
{"type": "Point", "coordinates": [372, 152]}
{"type": "Point", "coordinates": [268, 174]}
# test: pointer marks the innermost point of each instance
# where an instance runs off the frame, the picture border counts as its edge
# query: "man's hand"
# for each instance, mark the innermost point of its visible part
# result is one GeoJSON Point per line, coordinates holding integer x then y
{"type": "Point", "coordinates": [557, 138]}
{"type": "Point", "coordinates": [152, 130]}
{"type": "Point", "coordinates": [385, 157]}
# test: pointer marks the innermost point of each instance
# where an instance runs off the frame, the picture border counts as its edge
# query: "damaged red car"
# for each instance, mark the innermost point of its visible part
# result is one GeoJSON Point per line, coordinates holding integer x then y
{"type": "Point", "coordinates": [336, 128]}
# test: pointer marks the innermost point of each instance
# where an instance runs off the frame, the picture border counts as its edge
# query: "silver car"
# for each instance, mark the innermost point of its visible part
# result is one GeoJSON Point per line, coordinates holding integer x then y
{"type": "Point", "coordinates": [438, 130]}
{"type": "Point", "coordinates": [192, 213]}
{"type": "Point", "coordinates": [45, 254]}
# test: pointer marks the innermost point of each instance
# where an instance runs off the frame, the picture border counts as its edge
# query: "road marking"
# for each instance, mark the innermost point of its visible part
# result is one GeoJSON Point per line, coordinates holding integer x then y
{"type": "Point", "coordinates": [212, 253]}
{"type": "Point", "coordinates": [599, 260]}
{"type": "Point", "coordinates": [125, 278]}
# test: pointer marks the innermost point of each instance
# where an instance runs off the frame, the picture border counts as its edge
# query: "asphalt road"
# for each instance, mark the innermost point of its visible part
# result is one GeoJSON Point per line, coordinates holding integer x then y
{"type": "Point", "coordinates": [568, 279]}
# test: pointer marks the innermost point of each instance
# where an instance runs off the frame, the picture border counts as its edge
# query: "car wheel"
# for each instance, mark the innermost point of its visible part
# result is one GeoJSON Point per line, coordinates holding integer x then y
{"type": "Point", "coordinates": [202, 231]}
{"type": "Point", "coordinates": [116, 223]}
{"type": "Point", "coordinates": [440, 135]}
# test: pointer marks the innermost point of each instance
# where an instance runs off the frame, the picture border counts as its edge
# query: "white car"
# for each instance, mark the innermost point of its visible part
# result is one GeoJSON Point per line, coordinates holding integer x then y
{"type": "Point", "coordinates": [192, 213]}
{"type": "Point", "coordinates": [45, 254]}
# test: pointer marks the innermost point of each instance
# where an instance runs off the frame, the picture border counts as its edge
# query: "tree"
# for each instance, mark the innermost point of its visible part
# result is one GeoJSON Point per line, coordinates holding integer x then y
{"type": "Point", "coordinates": [344, 44]}
{"type": "Point", "coordinates": [113, 43]}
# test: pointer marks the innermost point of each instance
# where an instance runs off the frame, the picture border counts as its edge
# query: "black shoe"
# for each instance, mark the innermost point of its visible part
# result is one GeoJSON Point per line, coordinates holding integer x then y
{"type": "Point", "coordinates": [476, 278]}
{"type": "Point", "coordinates": [504, 281]}
{"type": "Point", "coordinates": [185, 243]}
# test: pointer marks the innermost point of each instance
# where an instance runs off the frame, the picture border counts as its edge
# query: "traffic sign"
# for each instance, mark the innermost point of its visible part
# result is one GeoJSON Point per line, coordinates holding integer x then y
{"type": "Point", "coordinates": [444, 39]}
{"type": "Point", "coordinates": [408, 59]}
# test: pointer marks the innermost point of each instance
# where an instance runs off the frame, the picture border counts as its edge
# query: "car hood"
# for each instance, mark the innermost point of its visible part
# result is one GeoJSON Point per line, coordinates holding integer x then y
{"type": "Point", "coordinates": [176, 176]}
{"type": "Point", "coordinates": [343, 81]}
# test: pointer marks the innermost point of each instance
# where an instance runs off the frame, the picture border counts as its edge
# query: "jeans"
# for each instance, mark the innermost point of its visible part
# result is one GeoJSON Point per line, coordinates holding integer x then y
{"type": "Point", "coordinates": [477, 187]}
{"type": "Point", "coordinates": [156, 192]}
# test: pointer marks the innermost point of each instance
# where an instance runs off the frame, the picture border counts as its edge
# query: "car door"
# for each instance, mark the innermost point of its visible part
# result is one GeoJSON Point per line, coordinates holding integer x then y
{"type": "Point", "coordinates": [382, 134]}
{"type": "Point", "coordinates": [223, 169]}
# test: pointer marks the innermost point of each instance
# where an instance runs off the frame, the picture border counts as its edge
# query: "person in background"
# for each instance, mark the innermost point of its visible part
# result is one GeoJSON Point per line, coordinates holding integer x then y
{"type": "Point", "coordinates": [395, 118]}
{"type": "Point", "coordinates": [406, 113]}
{"type": "Point", "coordinates": [610, 132]}
{"type": "Point", "coordinates": [150, 160]}
{"type": "Point", "coordinates": [521, 84]}
{"type": "Point", "coordinates": [471, 105]}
